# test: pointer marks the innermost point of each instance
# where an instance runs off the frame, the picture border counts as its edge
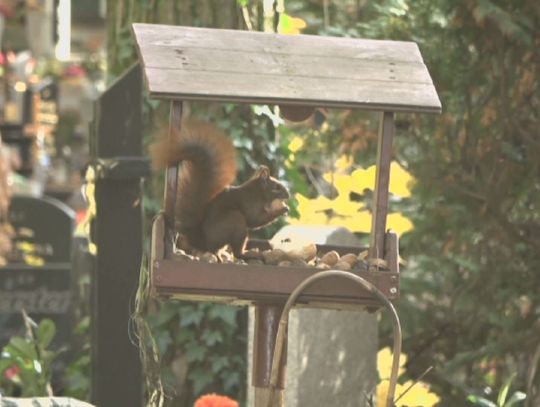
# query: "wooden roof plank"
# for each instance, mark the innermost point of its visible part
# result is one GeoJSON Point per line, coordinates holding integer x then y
{"type": "Point", "coordinates": [251, 88]}
{"type": "Point", "coordinates": [252, 41]}
{"type": "Point", "coordinates": [251, 67]}
{"type": "Point", "coordinates": [223, 62]}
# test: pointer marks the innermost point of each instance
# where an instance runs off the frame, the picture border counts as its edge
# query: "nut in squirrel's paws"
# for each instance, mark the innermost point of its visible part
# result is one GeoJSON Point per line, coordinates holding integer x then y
{"type": "Point", "coordinates": [277, 205]}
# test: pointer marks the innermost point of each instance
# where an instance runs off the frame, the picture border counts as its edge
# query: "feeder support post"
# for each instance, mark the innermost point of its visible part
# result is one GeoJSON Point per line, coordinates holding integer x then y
{"type": "Point", "coordinates": [266, 328]}
{"type": "Point", "coordinates": [171, 176]}
{"type": "Point", "coordinates": [382, 182]}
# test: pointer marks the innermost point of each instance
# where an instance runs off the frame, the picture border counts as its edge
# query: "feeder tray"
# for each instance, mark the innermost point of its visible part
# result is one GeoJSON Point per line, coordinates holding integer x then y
{"type": "Point", "coordinates": [302, 71]}
{"type": "Point", "coordinates": [238, 284]}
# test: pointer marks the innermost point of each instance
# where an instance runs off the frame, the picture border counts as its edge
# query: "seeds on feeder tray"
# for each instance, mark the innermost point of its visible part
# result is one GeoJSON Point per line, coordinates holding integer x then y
{"type": "Point", "coordinates": [273, 256]}
{"type": "Point", "coordinates": [350, 258]}
{"type": "Point", "coordinates": [253, 254]}
{"type": "Point", "coordinates": [298, 263]}
{"type": "Point", "coordinates": [285, 263]}
{"type": "Point", "coordinates": [293, 255]}
{"type": "Point", "coordinates": [330, 258]}
{"type": "Point", "coordinates": [181, 255]}
{"type": "Point", "coordinates": [378, 263]}
{"type": "Point", "coordinates": [308, 252]}
{"type": "Point", "coordinates": [255, 262]}
{"type": "Point", "coordinates": [209, 257]}
{"type": "Point", "coordinates": [363, 255]}
{"type": "Point", "coordinates": [342, 265]}
{"type": "Point", "coordinates": [323, 266]}
{"type": "Point", "coordinates": [225, 256]}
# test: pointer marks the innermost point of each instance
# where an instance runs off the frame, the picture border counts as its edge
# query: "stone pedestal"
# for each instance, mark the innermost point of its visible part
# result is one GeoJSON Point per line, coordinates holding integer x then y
{"type": "Point", "coordinates": [331, 359]}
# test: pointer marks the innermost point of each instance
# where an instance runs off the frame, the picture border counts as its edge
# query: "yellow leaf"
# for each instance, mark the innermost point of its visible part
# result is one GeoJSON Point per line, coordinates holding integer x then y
{"type": "Point", "coordinates": [382, 392]}
{"type": "Point", "coordinates": [344, 162]}
{"type": "Point", "coordinates": [296, 144]}
{"type": "Point", "coordinates": [399, 223]}
{"type": "Point", "coordinates": [384, 363]}
{"type": "Point", "coordinates": [290, 25]}
{"type": "Point", "coordinates": [360, 222]}
{"type": "Point", "coordinates": [32, 260]}
{"type": "Point", "coordinates": [400, 181]}
{"type": "Point", "coordinates": [363, 179]}
{"type": "Point", "coordinates": [26, 247]}
{"type": "Point", "coordinates": [345, 207]}
{"type": "Point", "coordinates": [418, 396]}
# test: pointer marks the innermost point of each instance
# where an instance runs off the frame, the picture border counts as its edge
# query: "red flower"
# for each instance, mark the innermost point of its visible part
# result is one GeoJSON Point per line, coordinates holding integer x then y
{"type": "Point", "coordinates": [12, 372]}
{"type": "Point", "coordinates": [214, 400]}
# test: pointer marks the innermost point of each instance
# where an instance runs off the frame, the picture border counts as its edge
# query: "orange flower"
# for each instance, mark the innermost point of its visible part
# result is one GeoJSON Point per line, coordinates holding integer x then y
{"type": "Point", "coordinates": [215, 400]}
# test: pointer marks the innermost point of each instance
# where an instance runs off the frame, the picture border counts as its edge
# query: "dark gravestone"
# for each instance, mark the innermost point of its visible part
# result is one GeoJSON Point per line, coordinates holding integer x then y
{"type": "Point", "coordinates": [44, 230]}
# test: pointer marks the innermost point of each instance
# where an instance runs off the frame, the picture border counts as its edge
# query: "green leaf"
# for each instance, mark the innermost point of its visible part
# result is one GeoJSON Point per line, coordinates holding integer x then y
{"type": "Point", "coordinates": [20, 347]}
{"type": "Point", "coordinates": [194, 317]}
{"type": "Point", "coordinates": [230, 380]}
{"type": "Point", "coordinates": [163, 340]}
{"type": "Point", "coordinates": [200, 378]}
{"type": "Point", "coordinates": [45, 333]}
{"type": "Point", "coordinates": [212, 337]}
{"type": "Point", "coordinates": [516, 398]}
{"type": "Point", "coordinates": [481, 401]}
{"type": "Point", "coordinates": [195, 353]}
{"type": "Point", "coordinates": [4, 365]}
{"type": "Point", "coordinates": [225, 313]}
{"type": "Point", "coordinates": [503, 393]}
{"type": "Point", "coordinates": [83, 326]}
{"type": "Point", "coordinates": [219, 363]}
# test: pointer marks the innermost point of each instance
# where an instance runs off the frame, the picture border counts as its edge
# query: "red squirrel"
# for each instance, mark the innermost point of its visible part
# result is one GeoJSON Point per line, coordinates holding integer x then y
{"type": "Point", "coordinates": [210, 212]}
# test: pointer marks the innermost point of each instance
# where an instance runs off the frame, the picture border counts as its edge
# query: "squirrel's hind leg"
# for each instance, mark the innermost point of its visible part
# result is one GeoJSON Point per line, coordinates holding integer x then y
{"type": "Point", "coordinates": [231, 230]}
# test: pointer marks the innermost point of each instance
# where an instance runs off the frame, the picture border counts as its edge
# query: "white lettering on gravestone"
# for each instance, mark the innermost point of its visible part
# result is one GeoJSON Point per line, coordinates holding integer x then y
{"type": "Point", "coordinates": [40, 300]}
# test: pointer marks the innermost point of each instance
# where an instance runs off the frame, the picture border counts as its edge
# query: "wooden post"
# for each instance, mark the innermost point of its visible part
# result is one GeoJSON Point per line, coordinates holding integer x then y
{"type": "Point", "coordinates": [171, 175]}
{"type": "Point", "coordinates": [171, 179]}
{"type": "Point", "coordinates": [116, 153]}
{"type": "Point", "coordinates": [382, 181]}
{"type": "Point", "coordinates": [266, 325]}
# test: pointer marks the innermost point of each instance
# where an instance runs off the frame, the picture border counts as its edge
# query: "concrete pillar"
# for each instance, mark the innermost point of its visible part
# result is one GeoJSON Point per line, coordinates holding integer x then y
{"type": "Point", "coordinates": [331, 358]}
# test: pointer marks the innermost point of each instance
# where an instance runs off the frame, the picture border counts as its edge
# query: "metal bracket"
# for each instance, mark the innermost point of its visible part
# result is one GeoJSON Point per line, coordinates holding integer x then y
{"type": "Point", "coordinates": [122, 167]}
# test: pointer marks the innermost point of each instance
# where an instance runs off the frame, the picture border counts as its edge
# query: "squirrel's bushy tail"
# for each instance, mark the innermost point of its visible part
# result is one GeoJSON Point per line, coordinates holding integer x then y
{"type": "Point", "coordinates": [207, 165]}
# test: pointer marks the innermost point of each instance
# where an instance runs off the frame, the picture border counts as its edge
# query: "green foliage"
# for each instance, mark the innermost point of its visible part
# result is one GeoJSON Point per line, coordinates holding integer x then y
{"type": "Point", "coordinates": [26, 362]}
{"type": "Point", "coordinates": [78, 370]}
{"type": "Point", "coordinates": [502, 398]}
{"type": "Point", "coordinates": [202, 349]}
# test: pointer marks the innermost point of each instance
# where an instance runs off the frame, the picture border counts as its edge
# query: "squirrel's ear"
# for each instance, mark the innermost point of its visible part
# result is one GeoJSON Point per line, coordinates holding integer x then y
{"type": "Point", "coordinates": [262, 172]}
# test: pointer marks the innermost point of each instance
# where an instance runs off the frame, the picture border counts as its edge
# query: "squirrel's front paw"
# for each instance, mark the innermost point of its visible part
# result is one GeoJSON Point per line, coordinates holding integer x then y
{"type": "Point", "coordinates": [278, 206]}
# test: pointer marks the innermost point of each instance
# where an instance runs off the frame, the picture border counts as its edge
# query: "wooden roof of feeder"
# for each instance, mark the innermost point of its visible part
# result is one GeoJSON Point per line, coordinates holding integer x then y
{"type": "Point", "coordinates": [190, 63]}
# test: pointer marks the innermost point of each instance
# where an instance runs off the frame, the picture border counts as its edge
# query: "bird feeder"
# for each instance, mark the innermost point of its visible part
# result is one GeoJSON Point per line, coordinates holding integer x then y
{"type": "Point", "coordinates": [299, 73]}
